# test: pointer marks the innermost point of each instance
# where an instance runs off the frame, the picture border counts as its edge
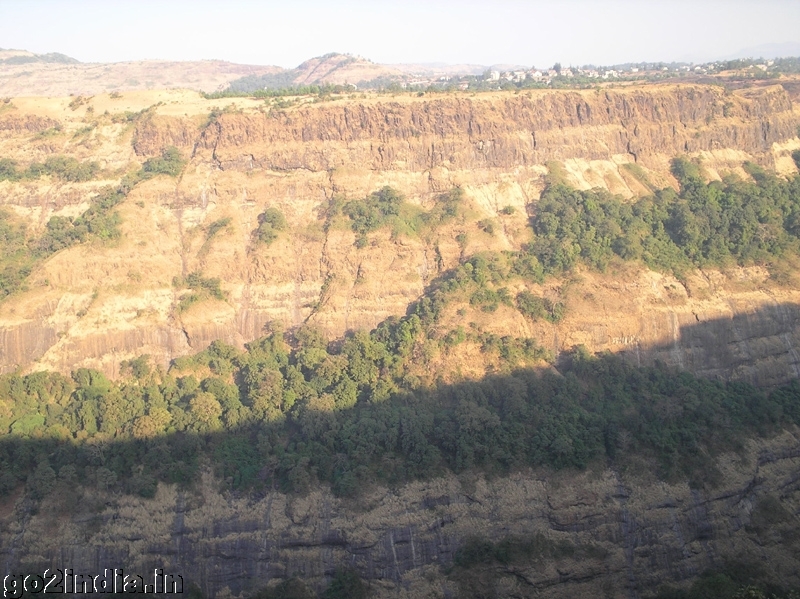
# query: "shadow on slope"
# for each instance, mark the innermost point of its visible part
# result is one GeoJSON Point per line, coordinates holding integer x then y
{"type": "Point", "coordinates": [758, 347]}
{"type": "Point", "coordinates": [595, 408]}
{"type": "Point", "coordinates": [292, 420]}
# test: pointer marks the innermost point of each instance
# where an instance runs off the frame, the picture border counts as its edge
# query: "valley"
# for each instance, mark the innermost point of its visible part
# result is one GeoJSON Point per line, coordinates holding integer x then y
{"type": "Point", "coordinates": [458, 344]}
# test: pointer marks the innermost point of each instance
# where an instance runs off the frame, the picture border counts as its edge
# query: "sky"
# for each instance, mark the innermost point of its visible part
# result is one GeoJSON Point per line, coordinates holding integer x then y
{"type": "Point", "coordinates": [532, 33]}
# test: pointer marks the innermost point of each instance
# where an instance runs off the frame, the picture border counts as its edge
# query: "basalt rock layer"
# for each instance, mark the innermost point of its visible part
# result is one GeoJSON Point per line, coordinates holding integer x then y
{"type": "Point", "coordinates": [504, 132]}
{"type": "Point", "coordinates": [626, 534]}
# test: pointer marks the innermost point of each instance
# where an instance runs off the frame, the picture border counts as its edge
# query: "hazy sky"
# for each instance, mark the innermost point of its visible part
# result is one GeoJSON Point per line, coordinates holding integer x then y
{"type": "Point", "coordinates": [487, 32]}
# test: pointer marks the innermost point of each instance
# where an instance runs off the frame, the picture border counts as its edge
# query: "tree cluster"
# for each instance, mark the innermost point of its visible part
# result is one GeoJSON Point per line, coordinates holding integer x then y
{"type": "Point", "coordinates": [294, 410]}
{"type": "Point", "coordinates": [270, 223]}
{"type": "Point", "coordinates": [714, 224]}
{"type": "Point", "coordinates": [65, 168]}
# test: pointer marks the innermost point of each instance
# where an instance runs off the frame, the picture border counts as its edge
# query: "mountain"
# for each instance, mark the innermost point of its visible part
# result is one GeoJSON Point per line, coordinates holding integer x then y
{"type": "Point", "coordinates": [311, 152]}
{"type": "Point", "coordinates": [23, 73]}
{"type": "Point", "coordinates": [457, 344]}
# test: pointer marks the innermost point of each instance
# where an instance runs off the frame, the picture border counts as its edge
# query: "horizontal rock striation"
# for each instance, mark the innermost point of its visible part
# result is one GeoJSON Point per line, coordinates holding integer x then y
{"type": "Point", "coordinates": [507, 132]}
{"type": "Point", "coordinates": [629, 533]}
{"type": "Point", "coordinates": [95, 305]}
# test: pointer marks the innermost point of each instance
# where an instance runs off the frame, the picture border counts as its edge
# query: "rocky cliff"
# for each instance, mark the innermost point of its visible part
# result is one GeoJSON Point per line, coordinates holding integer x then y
{"type": "Point", "coordinates": [622, 534]}
{"type": "Point", "coordinates": [501, 132]}
{"type": "Point", "coordinates": [95, 305]}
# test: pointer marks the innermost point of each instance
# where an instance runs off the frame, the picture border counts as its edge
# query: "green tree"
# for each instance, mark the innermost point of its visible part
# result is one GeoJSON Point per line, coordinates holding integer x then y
{"type": "Point", "coordinates": [206, 411]}
{"type": "Point", "coordinates": [270, 223]}
{"type": "Point", "coordinates": [346, 584]}
{"type": "Point", "coordinates": [42, 480]}
{"type": "Point", "coordinates": [170, 163]}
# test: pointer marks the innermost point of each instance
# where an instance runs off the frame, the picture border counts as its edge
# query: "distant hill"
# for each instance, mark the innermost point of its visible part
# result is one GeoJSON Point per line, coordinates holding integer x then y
{"type": "Point", "coordinates": [15, 57]}
{"type": "Point", "coordinates": [24, 73]}
{"type": "Point", "coordinates": [334, 69]}
{"type": "Point", "coordinates": [340, 69]}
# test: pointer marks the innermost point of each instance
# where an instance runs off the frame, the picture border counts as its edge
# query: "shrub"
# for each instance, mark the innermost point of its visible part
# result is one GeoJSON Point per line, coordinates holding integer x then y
{"type": "Point", "coordinates": [448, 206]}
{"type": "Point", "coordinates": [50, 132]}
{"type": "Point", "coordinates": [270, 222]}
{"type": "Point", "coordinates": [532, 306]}
{"type": "Point", "coordinates": [346, 584]}
{"type": "Point", "coordinates": [536, 308]}
{"type": "Point", "coordinates": [60, 233]}
{"type": "Point", "coordinates": [217, 226]}
{"type": "Point", "coordinates": [77, 102]}
{"type": "Point", "coordinates": [65, 168]}
{"type": "Point", "coordinates": [374, 211]}
{"type": "Point", "coordinates": [486, 225]}
{"type": "Point", "coordinates": [170, 163]}
{"type": "Point", "coordinates": [8, 170]}
{"type": "Point", "coordinates": [201, 287]}
{"type": "Point", "coordinates": [487, 299]}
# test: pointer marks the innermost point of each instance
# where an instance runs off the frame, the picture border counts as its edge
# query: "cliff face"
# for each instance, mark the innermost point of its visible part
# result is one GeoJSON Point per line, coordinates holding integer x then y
{"type": "Point", "coordinates": [629, 533]}
{"type": "Point", "coordinates": [95, 305]}
{"type": "Point", "coordinates": [498, 132]}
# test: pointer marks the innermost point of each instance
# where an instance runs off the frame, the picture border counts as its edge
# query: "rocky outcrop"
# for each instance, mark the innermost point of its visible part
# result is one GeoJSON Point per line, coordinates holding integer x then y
{"type": "Point", "coordinates": [630, 532]}
{"type": "Point", "coordinates": [492, 132]}
{"type": "Point", "coordinates": [16, 124]}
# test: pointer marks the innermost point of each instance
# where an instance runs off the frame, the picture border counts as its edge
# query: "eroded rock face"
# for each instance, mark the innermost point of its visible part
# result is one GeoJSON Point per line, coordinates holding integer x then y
{"type": "Point", "coordinates": [630, 532]}
{"type": "Point", "coordinates": [14, 124]}
{"type": "Point", "coordinates": [97, 305]}
{"type": "Point", "coordinates": [493, 132]}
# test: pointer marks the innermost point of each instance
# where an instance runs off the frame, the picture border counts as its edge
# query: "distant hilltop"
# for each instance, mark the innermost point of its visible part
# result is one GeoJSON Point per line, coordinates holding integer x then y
{"type": "Point", "coordinates": [17, 57]}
